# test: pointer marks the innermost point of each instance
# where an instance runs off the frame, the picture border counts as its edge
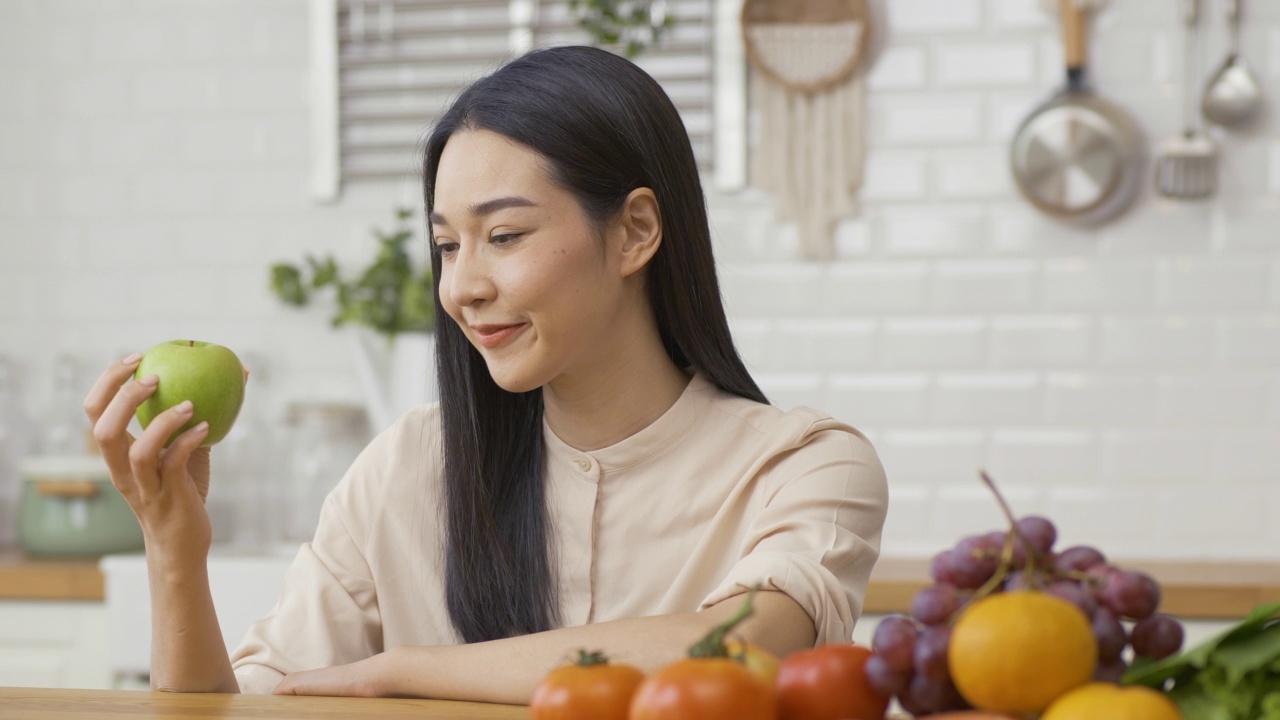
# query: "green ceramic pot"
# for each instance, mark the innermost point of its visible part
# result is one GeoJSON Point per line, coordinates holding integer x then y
{"type": "Point", "coordinates": [69, 508]}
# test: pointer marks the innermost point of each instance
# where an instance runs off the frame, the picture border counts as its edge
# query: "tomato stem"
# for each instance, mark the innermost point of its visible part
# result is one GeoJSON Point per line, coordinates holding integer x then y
{"type": "Point", "coordinates": [712, 645]}
{"type": "Point", "coordinates": [591, 658]}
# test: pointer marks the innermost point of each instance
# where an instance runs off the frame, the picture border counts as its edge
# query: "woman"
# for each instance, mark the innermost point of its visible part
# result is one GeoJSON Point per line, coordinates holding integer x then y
{"type": "Point", "coordinates": [601, 470]}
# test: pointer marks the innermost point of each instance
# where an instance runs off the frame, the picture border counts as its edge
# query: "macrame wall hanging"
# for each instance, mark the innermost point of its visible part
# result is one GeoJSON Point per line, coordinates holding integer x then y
{"type": "Point", "coordinates": [808, 94]}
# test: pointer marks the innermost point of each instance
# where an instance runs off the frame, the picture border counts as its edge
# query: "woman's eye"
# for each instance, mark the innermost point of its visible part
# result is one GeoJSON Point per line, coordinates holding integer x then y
{"type": "Point", "coordinates": [445, 249]}
{"type": "Point", "coordinates": [505, 239]}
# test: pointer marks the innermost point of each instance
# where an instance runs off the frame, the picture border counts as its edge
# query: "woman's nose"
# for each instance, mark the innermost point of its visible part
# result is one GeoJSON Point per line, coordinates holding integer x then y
{"type": "Point", "coordinates": [469, 279]}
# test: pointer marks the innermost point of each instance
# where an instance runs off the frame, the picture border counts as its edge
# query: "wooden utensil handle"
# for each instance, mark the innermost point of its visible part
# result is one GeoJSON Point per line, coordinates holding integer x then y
{"type": "Point", "coordinates": [67, 488]}
{"type": "Point", "coordinates": [1073, 33]}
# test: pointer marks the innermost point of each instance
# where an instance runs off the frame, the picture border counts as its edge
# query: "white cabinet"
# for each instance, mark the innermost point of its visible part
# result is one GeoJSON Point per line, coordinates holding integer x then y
{"type": "Point", "coordinates": [54, 645]}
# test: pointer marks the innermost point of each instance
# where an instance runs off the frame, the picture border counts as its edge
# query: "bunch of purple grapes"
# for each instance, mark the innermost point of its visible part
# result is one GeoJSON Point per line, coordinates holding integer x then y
{"type": "Point", "coordinates": [910, 651]}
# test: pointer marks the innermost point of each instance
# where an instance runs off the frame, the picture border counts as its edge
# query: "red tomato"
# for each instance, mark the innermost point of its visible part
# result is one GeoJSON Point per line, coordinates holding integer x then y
{"type": "Point", "coordinates": [591, 689]}
{"type": "Point", "coordinates": [827, 683]}
{"type": "Point", "coordinates": [704, 689]}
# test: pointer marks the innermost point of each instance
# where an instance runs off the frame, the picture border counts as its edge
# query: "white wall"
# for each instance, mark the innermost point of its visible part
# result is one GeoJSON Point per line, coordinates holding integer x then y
{"type": "Point", "coordinates": [153, 163]}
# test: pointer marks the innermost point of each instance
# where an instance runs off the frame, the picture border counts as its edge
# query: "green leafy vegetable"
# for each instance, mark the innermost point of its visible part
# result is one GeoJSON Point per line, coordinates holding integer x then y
{"type": "Point", "coordinates": [1232, 676]}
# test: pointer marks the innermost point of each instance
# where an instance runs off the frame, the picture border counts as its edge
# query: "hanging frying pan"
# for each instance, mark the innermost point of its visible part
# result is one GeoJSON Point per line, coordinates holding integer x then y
{"type": "Point", "coordinates": [1078, 157]}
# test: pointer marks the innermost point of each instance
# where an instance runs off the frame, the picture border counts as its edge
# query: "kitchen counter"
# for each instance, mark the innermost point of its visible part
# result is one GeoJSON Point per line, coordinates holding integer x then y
{"type": "Point", "coordinates": [27, 578]}
{"type": "Point", "coordinates": [25, 704]}
{"type": "Point", "coordinates": [1192, 590]}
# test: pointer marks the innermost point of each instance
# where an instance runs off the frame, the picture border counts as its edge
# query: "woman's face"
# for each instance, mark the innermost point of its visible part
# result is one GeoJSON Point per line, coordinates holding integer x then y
{"type": "Point", "coordinates": [524, 273]}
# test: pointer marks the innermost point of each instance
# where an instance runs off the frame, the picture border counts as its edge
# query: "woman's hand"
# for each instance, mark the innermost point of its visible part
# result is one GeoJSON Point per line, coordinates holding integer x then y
{"type": "Point", "coordinates": [165, 487]}
{"type": "Point", "coordinates": [366, 678]}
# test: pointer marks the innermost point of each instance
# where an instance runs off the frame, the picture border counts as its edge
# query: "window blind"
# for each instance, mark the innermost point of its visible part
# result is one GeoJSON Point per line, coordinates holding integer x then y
{"type": "Point", "coordinates": [401, 62]}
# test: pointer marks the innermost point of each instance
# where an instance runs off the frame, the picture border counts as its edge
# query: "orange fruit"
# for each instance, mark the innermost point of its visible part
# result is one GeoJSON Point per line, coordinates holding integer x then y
{"type": "Point", "coordinates": [762, 663]}
{"type": "Point", "coordinates": [1104, 701]}
{"type": "Point", "coordinates": [1017, 652]}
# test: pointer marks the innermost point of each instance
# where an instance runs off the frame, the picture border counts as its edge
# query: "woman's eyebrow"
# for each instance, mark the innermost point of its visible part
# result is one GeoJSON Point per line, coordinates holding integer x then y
{"type": "Point", "coordinates": [487, 207]}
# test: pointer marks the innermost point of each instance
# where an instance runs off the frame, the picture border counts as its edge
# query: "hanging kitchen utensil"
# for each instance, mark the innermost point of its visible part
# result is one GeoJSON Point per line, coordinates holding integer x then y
{"type": "Point", "coordinates": [1078, 157]}
{"type": "Point", "coordinates": [809, 93]}
{"type": "Point", "coordinates": [1232, 96]}
{"type": "Point", "coordinates": [1187, 168]}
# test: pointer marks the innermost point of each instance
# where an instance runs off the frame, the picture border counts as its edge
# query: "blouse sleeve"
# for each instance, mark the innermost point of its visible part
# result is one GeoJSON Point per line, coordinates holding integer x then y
{"type": "Point", "coordinates": [818, 535]}
{"type": "Point", "coordinates": [327, 613]}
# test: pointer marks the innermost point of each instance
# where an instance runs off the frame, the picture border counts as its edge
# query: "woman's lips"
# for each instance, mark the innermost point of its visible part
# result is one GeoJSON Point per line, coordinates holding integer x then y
{"type": "Point", "coordinates": [491, 336]}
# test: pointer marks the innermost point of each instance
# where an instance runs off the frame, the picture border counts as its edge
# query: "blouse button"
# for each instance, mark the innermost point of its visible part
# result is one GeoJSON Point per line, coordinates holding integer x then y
{"type": "Point", "coordinates": [583, 464]}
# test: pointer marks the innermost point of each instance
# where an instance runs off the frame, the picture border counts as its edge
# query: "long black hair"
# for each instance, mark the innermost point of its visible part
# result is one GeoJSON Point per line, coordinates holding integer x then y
{"type": "Point", "coordinates": [606, 128]}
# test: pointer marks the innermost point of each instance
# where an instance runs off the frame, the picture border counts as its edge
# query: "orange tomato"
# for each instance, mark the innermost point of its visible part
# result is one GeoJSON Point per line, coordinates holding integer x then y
{"type": "Point", "coordinates": [762, 663]}
{"type": "Point", "coordinates": [712, 688]}
{"type": "Point", "coordinates": [828, 683]}
{"type": "Point", "coordinates": [590, 689]}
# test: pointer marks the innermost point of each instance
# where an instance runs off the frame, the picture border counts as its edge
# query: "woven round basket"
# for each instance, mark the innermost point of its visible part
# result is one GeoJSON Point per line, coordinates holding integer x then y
{"type": "Point", "coordinates": [806, 45]}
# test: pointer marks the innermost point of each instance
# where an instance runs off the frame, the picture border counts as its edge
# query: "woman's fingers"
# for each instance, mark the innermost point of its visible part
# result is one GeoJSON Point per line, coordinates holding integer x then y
{"type": "Point", "coordinates": [107, 385]}
{"type": "Point", "coordinates": [144, 455]}
{"type": "Point", "coordinates": [173, 462]}
{"type": "Point", "coordinates": [110, 429]}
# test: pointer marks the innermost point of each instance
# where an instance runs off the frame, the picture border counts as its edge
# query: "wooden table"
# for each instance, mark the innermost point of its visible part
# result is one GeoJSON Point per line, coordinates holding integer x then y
{"type": "Point", "coordinates": [31, 704]}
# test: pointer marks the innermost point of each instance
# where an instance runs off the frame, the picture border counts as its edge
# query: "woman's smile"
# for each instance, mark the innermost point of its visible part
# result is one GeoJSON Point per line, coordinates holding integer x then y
{"type": "Point", "coordinates": [492, 336]}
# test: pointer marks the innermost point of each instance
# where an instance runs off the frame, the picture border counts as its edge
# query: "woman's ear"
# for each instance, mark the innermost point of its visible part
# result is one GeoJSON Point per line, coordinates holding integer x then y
{"type": "Point", "coordinates": [641, 227]}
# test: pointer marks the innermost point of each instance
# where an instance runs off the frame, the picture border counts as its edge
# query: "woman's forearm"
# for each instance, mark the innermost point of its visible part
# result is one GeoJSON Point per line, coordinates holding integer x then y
{"type": "Point", "coordinates": [188, 653]}
{"type": "Point", "coordinates": [506, 671]}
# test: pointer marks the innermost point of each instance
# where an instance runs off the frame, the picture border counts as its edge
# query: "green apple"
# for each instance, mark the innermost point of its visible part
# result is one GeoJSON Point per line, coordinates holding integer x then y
{"type": "Point", "coordinates": [210, 376]}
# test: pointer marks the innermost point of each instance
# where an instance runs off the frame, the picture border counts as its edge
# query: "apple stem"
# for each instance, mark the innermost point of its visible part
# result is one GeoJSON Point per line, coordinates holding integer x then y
{"type": "Point", "coordinates": [191, 343]}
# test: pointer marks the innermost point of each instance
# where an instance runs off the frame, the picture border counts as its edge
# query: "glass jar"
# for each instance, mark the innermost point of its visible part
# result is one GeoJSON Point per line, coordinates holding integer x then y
{"type": "Point", "coordinates": [324, 438]}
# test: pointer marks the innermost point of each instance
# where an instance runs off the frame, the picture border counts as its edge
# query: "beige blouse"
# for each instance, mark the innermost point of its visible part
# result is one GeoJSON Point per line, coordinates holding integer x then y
{"type": "Point", "coordinates": [717, 495]}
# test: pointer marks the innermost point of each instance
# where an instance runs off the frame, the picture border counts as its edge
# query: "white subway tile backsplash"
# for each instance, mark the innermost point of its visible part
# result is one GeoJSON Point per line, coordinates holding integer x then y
{"type": "Point", "coordinates": [972, 174]}
{"type": "Point", "coordinates": [1250, 341]}
{"type": "Point", "coordinates": [824, 345]}
{"type": "Point", "coordinates": [1090, 399]}
{"type": "Point", "coordinates": [1251, 227]}
{"type": "Point", "coordinates": [986, 64]}
{"type": "Point", "coordinates": [899, 68]}
{"type": "Point", "coordinates": [983, 285]}
{"type": "Point", "coordinates": [871, 287]}
{"type": "Point", "coordinates": [1159, 227]}
{"type": "Point", "coordinates": [753, 340]}
{"type": "Point", "coordinates": [1218, 399]}
{"type": "Point", "coordinates": [896, 176]}
{"type": "Point", "coordinates": [880, 399]}
{"type": "Point", "coordinates": [1247, 456]}
{"type": "Point", "coordinates": [988, 399]}
{"type": "Point", "coordinates": [1044, 457]}
{"type": "Point", "coordinates": [932, 16]}
{"type": "Point", "coordinates": [1028, 342]}
{"type": "Point", "coordinates": [1006, 111]}
{"type": "Point", "coordinates": [1008, 15]}
{"type": "Point", "coordinates": [1223, 524]}
{"type": "Point", "coordinates": [907, 523]}
{"type": "Point", "coordinates": [1120, 521]}
{"type": "Point", "coordinates": [971, 509]}
{"type": "Point", "coordinates": [1099, 284]}
{"type": "Point", "coordinates": [782, 289]}
{"type": "Point", "coordinates": [1174, 341]}
{"type": "Point", "coordinates": [1017, 229]}
{"type": "Point", "coordinates": [1198, 284]}
{"type": "Point", "coordinates": [180, 90]}
{"type": "Point", "coordinates": [790, 390]}
{"type": "Point", "coordinates": [932, 343]}
{"type": "Point", "coordinates": [1136, 457]}
{"type": "Point", "coordinates": [927, 119]}
{"type": "Point", "coordinates": [932, 457]}
{"type": "Point", "coordinates": [933, 230]}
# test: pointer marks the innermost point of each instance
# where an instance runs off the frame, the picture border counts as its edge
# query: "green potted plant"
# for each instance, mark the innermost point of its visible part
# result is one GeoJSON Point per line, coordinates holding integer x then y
{"type": "Point", "coordinates": [631, 25]}
{"type": "Point", "coordinates": [391, 297]}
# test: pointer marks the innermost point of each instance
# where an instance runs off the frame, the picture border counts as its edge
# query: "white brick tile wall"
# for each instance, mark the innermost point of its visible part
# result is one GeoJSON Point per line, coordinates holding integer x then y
{"type": "Point", "coordinates": [988, 399]}
{"type": "Point", "coordinates": [933, 343]}
{"type": "Point", "coordinates": [1137, 457]}
{"type": "Point", "coordinates": [988, 64]}
{"type": "Point", "coordinates": [1042, 341]}
{"type": "Point", "coordinates": [1122, 378]}
{"type": "Point", "coordinates": [932, 457]}
{"type": "Point", "coordinates": [1044, 457]}
{"type": "Point", "coordinates": [934, 16]}
{"type": "Point", "coordinates": [1213, 398]}
{"type": "Point", "coordinates": [927, 119]}
{"type": "Point", "coordinates": [877, 287]}
{"type": "Point", "coordinates": [880, 399]}
{"type": "Point", "coordinates": [1169, 340]}
{"type": "Point", "coordinates": [1088, 284]}
{"type": "Point", "coordinates": [1099, 400]}
{"type": "Point", "coordinates": [933, 230]}
{"type": "Point", "coordinates": [899, 68]}
{"type": "Point", "coordinates": [983, 285]}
